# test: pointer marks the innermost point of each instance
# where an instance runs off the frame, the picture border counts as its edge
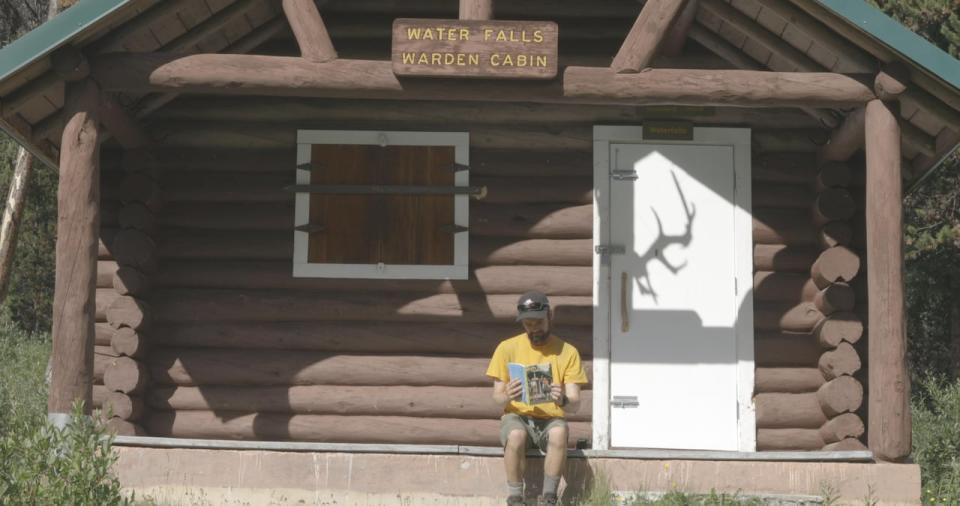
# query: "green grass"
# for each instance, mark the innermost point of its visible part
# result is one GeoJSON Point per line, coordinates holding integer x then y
{"type": "Point", "coordinates": [936, 441]}
{"type": "Point", "coordinates": [23, 362]}
{"type": "Point", "coordinates": [598, 492]}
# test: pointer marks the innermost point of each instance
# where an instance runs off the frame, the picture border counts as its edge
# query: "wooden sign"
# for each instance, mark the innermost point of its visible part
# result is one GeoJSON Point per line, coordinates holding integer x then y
{"type": "Point", "coordinates": [475, 48]}
{"type": "Point", "coordinates": [667, 130]}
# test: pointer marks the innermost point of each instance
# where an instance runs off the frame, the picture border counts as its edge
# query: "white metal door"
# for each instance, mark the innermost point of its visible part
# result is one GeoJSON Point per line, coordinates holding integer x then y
{"type": "Point", "coordinates": [673, 302]}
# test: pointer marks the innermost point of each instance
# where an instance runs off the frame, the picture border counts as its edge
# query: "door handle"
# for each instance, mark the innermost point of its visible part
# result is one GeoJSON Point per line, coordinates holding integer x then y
{"type": "Point", "coordinates": [624, 306]}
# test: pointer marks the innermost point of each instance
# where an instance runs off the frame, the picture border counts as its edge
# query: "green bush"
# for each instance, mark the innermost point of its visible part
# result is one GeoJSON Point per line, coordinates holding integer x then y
{"type": "Point", "coordinates": [41, 464]}
{"type": "Point", "coordinates": [936, 440]}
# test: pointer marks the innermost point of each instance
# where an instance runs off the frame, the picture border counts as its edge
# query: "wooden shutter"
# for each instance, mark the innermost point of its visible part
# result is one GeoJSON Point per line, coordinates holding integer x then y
{"type": "Point", "coordinates": [389, 229]}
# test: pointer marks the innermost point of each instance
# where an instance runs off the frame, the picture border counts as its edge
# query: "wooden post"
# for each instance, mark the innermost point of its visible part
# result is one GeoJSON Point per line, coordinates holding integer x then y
{"type": "Point", "coordinates": [648, 31]}
{"type": "Point", "coordinates": [889, 395]}
{"type": "Point", "coordinates": [78, 227]}
{"type": "Point", "coordinates": [476, 9]}
{"type": "Point", "coordinates": [309, 30]}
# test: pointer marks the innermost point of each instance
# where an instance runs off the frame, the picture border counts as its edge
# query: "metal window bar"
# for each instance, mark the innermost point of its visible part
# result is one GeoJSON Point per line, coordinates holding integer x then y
{"type": "Point", "coordinates": [477, 192]}
{"type": "Point", "coordinates": [315, 228]}
{"type": "Point", "coordinates": [456, 167]}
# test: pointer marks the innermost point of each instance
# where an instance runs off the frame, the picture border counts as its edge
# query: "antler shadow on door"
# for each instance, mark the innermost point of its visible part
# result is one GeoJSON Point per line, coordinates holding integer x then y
{"type": "Point", "coordinates": [654, 252]}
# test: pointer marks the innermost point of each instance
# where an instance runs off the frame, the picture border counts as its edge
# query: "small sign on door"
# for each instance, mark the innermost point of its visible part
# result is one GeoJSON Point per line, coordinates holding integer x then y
{"type": "Point", "coordinates": [667, 131]}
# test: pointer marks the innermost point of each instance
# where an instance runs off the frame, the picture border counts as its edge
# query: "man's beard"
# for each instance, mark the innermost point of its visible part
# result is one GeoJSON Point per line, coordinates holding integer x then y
{"type": "Point", "coordinates": [539, 337]}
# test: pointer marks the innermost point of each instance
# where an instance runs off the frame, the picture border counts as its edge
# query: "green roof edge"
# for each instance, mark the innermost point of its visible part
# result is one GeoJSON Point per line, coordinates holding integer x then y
{"type": "Point", "coordinates": [890, 32]}
{"type": "Point", "coordinates": [45, 38]}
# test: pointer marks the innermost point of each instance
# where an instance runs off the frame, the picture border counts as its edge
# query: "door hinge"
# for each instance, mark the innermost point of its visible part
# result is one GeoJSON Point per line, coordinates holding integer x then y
{"type": "Point", "coordinates": [624, 175]}
{"type": "Point", "coordinates": [624, 401]}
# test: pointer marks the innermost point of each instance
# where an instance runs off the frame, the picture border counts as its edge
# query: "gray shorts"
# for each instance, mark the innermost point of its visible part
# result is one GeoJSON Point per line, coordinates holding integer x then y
{"type": "Point", "coordinates": [537, 429]}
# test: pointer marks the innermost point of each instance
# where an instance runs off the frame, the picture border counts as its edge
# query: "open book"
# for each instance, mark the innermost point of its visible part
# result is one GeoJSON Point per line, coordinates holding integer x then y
{"type": "Point", "coordinates": [536, 380]}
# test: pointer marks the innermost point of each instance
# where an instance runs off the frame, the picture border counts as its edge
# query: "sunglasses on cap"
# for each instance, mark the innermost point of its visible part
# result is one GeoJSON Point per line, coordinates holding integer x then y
{"type": "Point", "coordinates": [532, 306]}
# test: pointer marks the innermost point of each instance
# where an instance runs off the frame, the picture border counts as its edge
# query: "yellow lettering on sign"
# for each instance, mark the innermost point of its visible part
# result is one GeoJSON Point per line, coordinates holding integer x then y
{"type": "Point", "coordinates": [408, 58]}
{"type": "Point", "coordinates": [435, 58]}
{"type": "Point", "coordinates": [507, 61]}
{"type": "Point", "coordinates": [487, 33]}
{"type": "Point", "coordinates": [413, 33]}
{"type": "Point", "coordinates": [428, 34]}
{"type": "Point", "coordinates": [449, 58]}
{"type": "Point", "coordinates": [423, 60]}
{"type": "Point", "coordinates": [474, 59]}
{"type": "Point", "coordinates": [538, 36]}
{"type": "Point", "coordinates": [460, 59]}
{"type": "Point", "coordinates": [501, 36]}
{"type": "Point", "coordinates": [541, 61]}
{"type": "Point", "coordinates": [521, 60]}
{"type": "Point", "coordinates": [464, 34]}
{"type": "Point", "coordinates": [495, 60]}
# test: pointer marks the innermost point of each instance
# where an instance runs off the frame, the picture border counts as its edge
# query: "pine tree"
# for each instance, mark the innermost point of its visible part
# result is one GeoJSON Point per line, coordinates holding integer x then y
{"type": "Point", "coordinates": [936, 20]}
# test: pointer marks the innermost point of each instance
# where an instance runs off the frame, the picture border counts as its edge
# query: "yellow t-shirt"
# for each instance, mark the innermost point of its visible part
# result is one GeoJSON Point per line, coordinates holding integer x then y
{"type": "Point", "coordinates": [564, 363]}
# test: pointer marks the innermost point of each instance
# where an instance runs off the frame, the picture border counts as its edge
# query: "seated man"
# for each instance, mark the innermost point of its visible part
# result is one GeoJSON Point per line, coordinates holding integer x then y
{"type": "Point", "coordinates": [537, 424]}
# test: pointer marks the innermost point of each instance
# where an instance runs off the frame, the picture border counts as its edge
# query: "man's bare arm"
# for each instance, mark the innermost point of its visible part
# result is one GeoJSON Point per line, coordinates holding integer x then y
{"type": "Point", "coordinates": [505, 392]}
{"type": "Point", "coordinates": [572, 391]}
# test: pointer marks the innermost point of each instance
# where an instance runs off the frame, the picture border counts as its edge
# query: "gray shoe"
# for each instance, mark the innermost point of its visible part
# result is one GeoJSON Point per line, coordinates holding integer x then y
{"type": "Point", "coordinates": [515, 500]}
{"type": "Point", "coordinates": [547, 500]}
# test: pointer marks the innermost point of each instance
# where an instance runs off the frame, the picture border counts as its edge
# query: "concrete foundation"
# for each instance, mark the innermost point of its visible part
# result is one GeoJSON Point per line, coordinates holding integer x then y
{"type": "Point", "coordinates": [237, 477]}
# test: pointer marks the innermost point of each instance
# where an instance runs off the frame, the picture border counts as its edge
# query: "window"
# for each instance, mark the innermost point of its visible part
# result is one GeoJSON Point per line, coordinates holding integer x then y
{"type": "Point", "coordinates": [381, 205]}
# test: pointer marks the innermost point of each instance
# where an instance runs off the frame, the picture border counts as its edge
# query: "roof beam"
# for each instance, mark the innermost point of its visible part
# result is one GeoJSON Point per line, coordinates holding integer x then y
{"type": "Point", "coordinates": [115, 39]}
{"type": "Point", "coordinates": [285, 76]}
{"type": "Point", "coordinates": [741, 60]}
{"type": "Point", "coordinates": [846, 139]}
{"type": "Point", "coordinates": [811, 22]}
{"type": "Point", "coordinates": [121, 125]}
{"type": "Point", "coordinates": [673, 42]}
{"type": "Point", "coordinates": [860, 60]}
{"type": "Point", "coordinates": [209, 26]}
{"type": "Point", "coordinates": [247, 43]}
{"type": "Point", "coordinates": [309, 30]}
{"type": "Point", "coordinates": [720, 47]}
{"type": "Point", "coordinates": [648, 32]}
{"type": "Point", "coordinates": [476, 9]}
{"type": "Point", "coordinates": [760, 35]}
{"type": "Point", "coordinates": [912, 136]}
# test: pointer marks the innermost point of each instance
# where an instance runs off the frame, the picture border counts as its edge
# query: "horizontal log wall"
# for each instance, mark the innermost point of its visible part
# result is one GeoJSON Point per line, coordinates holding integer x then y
{"type": "Point", "coordinates": [241, 349]}
{"type": "Point", "coordinates": [124, 269]}
{"type": "Point", "coordinates": [806, 395]}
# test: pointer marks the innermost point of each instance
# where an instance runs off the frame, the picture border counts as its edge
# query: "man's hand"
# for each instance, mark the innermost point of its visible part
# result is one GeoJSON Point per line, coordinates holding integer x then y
{"type": "Point", "coordinates": [503, 393]}
{"type": "Point", "coordinates": [515, 390]}
{"type": "Point", "coordinates": [556, 392]}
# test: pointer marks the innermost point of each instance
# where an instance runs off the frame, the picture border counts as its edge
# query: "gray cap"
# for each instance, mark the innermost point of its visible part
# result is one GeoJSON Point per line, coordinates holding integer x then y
{"type": "Point", "coordinates": [532, 305]}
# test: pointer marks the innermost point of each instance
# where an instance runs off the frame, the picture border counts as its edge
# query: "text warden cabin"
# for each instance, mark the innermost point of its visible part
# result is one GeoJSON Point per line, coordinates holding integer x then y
{"type": "Point", "coordinates": [488, 49]}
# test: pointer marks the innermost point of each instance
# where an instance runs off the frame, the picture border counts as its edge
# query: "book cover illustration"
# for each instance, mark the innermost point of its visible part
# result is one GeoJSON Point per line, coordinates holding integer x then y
{"type": "Point", "coordinates": [535, 380]}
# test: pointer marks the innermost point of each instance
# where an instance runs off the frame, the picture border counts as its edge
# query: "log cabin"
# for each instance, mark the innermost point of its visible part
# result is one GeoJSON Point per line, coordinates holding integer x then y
{"type": "Point", "coordinates": [294, 231]}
